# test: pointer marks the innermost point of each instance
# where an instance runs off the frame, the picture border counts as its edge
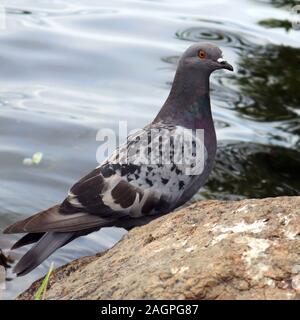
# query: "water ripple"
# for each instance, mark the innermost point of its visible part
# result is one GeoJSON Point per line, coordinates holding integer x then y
{"type": "Point", "coordinates": [219, 36]}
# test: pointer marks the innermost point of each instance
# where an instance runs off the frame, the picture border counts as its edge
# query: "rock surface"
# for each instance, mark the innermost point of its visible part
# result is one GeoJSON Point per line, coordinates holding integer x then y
{"type": "Point", "coordinates": [247, 249]}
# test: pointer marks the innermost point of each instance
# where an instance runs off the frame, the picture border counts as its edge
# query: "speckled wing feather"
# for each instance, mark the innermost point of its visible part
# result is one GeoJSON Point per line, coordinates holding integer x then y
{"type": "Point", "coordinates": [127, 183]}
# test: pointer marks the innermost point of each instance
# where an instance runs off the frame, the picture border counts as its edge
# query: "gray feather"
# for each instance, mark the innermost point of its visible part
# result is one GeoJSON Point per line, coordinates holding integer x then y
{"type": "Point", "coordinates": [50, 242]}
{"type": "Point", "coordinates": [53, 220]}
{"type": "Point", "coordinates": [29, 238]}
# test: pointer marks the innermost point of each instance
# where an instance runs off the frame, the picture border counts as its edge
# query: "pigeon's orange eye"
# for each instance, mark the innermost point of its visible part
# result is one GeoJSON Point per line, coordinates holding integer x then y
{"type": "Point", "coordinates": [201, 54]}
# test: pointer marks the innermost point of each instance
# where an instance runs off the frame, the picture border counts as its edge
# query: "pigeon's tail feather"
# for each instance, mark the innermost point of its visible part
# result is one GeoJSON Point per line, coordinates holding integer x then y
{"type": "Point", "coordinates": [49, 242]}
{"type": "Point", "coordinates": [52, 220]}
{"type": "Point", "coordinates": [29, 238]}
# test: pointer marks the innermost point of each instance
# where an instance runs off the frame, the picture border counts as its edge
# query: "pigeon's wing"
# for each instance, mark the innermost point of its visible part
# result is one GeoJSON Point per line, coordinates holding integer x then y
{"type": "Point", "coordinates": [123, 185]}
{"type": "Point", "coordinates": [135, 180]}
{"type": "Point", "coordinates": [106, 193]}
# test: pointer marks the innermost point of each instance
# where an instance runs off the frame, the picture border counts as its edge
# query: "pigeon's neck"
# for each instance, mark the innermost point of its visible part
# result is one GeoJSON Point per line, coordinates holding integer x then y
{"type": "Point", "coordinates": [188, 103]}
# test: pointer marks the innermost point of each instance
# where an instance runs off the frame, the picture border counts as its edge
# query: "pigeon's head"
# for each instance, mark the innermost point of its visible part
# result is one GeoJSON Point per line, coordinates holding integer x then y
{"type": "Point", "coordinates": [204, 57]}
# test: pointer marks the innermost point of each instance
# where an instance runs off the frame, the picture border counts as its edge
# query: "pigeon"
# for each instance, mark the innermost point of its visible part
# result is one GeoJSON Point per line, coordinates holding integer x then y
{"type": "Point", "coordinates": [127, 189]}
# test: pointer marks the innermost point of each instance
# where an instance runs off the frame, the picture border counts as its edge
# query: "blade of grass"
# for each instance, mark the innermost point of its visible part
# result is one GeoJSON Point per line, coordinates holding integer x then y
{"type": "Point", "coordinates": [41, 291]}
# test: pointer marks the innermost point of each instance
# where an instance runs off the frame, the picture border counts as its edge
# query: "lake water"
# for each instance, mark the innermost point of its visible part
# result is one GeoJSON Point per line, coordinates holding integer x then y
{"type": "Point", "coordinates": [70, 68]}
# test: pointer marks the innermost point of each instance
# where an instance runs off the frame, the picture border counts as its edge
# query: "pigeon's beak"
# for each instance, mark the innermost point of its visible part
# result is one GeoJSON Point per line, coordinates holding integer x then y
{"type": "Point", "coordinates": [224, 64]}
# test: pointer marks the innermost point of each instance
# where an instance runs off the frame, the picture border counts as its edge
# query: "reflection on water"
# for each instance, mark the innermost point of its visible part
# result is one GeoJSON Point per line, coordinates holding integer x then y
{"type": "Point", "coordinates": [268, 79]}
{"type": "Point", "coordinates": [280, 23]}
{"type": "Point", "coordinates": [275, 23]}
{"type": "Point", "coordinates": [282, 3]}
{"type": "Point", "coordinates": [247, 170]}
{"type": "Point", "coordinates": [70, 69]}
{"type": "Point", "coordinates": [269, 76]}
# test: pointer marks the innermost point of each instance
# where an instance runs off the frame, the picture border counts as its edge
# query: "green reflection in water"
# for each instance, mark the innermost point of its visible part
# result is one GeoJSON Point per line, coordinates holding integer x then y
{"type": "Point", "coordinates": [281, 3]}
{"type": "Point", "coordinates": [275, 23]}
{"type": "Point", "coordinates": [269, 76]}
{"type": "Point", "coordinates": [253, 170]}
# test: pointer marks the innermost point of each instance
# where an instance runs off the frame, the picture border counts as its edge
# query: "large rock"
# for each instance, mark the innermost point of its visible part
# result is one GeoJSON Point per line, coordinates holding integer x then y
{"type": "Point", "coordinates": [247, 249]}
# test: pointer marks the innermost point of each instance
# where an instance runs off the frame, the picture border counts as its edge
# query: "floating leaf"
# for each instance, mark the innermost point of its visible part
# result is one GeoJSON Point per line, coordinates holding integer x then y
{"type": "Point", "coordinates": [36, 159]}
{"type": "Point", "coordinates": [27, 162]}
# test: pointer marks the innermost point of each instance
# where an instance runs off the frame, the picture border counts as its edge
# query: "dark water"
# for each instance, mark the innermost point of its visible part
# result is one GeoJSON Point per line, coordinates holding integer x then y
{"type": "Point", "coordinates": [70, 68]}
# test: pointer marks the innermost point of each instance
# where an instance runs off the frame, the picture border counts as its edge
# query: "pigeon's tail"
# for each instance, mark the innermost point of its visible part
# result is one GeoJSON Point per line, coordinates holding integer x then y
{"type": "Point", "coordinates": [50, 230]}
{"type": "Point", "coordinates": [48, 243]}
{"type": "Point", "coordinates": [29, 238]}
